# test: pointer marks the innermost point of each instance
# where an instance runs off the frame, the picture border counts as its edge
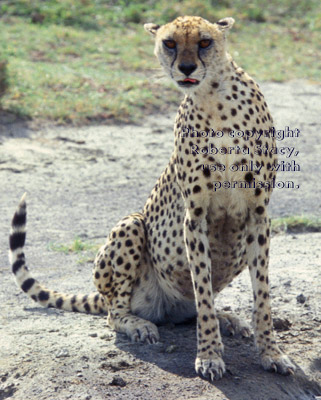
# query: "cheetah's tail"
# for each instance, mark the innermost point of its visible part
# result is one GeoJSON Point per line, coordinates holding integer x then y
{"type": "Point", "coordinates": [92, 303]}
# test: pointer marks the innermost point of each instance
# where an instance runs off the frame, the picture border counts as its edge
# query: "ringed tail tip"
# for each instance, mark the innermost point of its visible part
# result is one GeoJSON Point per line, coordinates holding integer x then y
{"type": "Point", "coordinates": [22, 202]}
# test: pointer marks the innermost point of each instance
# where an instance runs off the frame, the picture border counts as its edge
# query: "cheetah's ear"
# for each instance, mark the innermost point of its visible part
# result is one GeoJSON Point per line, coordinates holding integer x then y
{"type": "Point", "coordinates": [151, 28]}
{"type": "Point", "coordinates": [225, 24]}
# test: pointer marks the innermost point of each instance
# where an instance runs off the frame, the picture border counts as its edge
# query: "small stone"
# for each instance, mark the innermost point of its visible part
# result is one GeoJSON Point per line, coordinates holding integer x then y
{"type": "Point", "coordinates": [118, 381]}
{"type": "Point", "coordinates": [106, 336]}
{"type": "Point", "coordinates": [281, 324]}
{"type": "Point", "coordinates": [171, 349]}
{"type": "Point", "coordinates": [158, 130]}
{"type": "Point", "coordinates": [8, 391]}
{"type": "Point", "coordinates": [93, 335]}
{"type": "Point", "coordinates": [301, 298]}
{"type": "Point", "coordinates": [62, 353]}
{"type": "Point", "coordinates": [112, 354]}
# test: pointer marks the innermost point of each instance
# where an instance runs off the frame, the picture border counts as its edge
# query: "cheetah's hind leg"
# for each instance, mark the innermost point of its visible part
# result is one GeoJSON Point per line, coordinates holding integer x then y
{"type": "Point", "coordinates": [231, 325]}
{"type": "Point", "coordinates": [117, 267]}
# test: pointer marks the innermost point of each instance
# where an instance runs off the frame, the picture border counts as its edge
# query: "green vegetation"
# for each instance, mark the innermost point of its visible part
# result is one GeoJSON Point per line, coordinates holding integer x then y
{"type": "Point", "coordinates": [296, 224]}
{"type": "Point", "coordinates": [292, 224]}
{"type": "Point", "coordinates": [77, 246]}
{"type": "Point", "coordinates": [3, 77]}
{"type": "Point", "coordinates": [85, 250]}
{"type": "Point", "coordinates": [83, 61]}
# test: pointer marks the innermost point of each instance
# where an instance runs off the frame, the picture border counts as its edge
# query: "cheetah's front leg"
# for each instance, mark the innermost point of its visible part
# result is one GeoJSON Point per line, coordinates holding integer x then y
{"type": "Point", "coordinates": [210, 348]}
{"type": "Point", "coordinates": [272, 358]}
{"type": "Point", "coordinates": [117, 267]}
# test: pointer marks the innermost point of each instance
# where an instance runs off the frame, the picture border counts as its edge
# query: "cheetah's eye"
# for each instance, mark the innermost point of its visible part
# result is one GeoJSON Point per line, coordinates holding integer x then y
{"type": "Point", "coordinates": [205, 43]}
{"type": "Point", "coordinates": [170, 44]}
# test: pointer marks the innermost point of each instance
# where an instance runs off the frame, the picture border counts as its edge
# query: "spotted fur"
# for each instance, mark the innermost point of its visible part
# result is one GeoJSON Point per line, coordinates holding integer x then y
{"type": "Point", "coordinates": [169, 262]}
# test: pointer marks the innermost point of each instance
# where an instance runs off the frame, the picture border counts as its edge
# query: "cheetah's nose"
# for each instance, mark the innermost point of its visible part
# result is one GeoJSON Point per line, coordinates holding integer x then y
{"type": "Point", "coordinates": [187, 69]}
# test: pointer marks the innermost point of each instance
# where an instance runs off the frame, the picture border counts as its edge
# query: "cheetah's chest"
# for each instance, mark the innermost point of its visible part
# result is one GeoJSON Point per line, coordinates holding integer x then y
{"type": "Point", "coordinates": [227, 236]}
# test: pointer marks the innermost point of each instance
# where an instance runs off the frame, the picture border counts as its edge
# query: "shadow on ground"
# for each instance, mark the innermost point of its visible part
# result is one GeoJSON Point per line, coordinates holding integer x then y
{"type": "Point", "coordinates": [15, 126]}
{"type": "Point", "coordinates": [176, 352]}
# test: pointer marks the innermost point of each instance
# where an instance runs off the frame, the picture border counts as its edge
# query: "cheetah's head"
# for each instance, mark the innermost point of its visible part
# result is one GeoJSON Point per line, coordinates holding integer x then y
{"type": "Point", "coordinates": [190, 49]}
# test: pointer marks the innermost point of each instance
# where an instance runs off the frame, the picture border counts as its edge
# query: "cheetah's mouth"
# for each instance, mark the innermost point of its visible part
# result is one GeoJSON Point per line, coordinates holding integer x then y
{"type": "Point", "coordinates": [188, 82]}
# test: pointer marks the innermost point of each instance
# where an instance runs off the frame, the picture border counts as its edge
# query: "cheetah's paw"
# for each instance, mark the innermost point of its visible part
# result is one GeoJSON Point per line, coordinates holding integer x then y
{"type": "Point", "coordinates": [145, 333]}
{"type": "Point", "coordinates": [278, 363]}
{"type": "Point", "coordinates": [212, 369]}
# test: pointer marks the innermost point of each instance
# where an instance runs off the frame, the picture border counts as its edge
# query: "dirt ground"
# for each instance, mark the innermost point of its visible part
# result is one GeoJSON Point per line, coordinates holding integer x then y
{"type": "Point", "coordinates": [80, 181]}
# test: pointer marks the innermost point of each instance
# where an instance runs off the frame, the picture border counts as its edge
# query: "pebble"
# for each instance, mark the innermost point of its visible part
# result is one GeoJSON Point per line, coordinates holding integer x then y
{"type": "Point", "coordinates": [106, 336]}
{"type": "Point", "coordinates": [118, 381]}
{"type": "Point", "coordinates": [62, 353]}
{"type": "Point", "coordinates": [281, 324]}
{"type": "Point", "coordinates": [171, 349]}
{"type": "Point", "coordinates": [301, 298]}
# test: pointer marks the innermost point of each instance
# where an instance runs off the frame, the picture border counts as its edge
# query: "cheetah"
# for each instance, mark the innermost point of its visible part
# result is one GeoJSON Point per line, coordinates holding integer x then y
{"type": "Point", "coordinates": [205, 220]}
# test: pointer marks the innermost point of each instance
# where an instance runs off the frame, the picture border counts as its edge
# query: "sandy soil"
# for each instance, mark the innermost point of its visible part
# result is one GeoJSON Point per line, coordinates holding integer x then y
{"type": "Point", "coordinates": [80, 181]}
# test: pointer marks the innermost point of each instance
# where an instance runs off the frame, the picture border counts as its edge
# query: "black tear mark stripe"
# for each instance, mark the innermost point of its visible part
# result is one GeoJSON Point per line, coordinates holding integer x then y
{"type": "Point", "coordinates": [19, 219]}
{"type": "Point", "coordinates": [17, 240]}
